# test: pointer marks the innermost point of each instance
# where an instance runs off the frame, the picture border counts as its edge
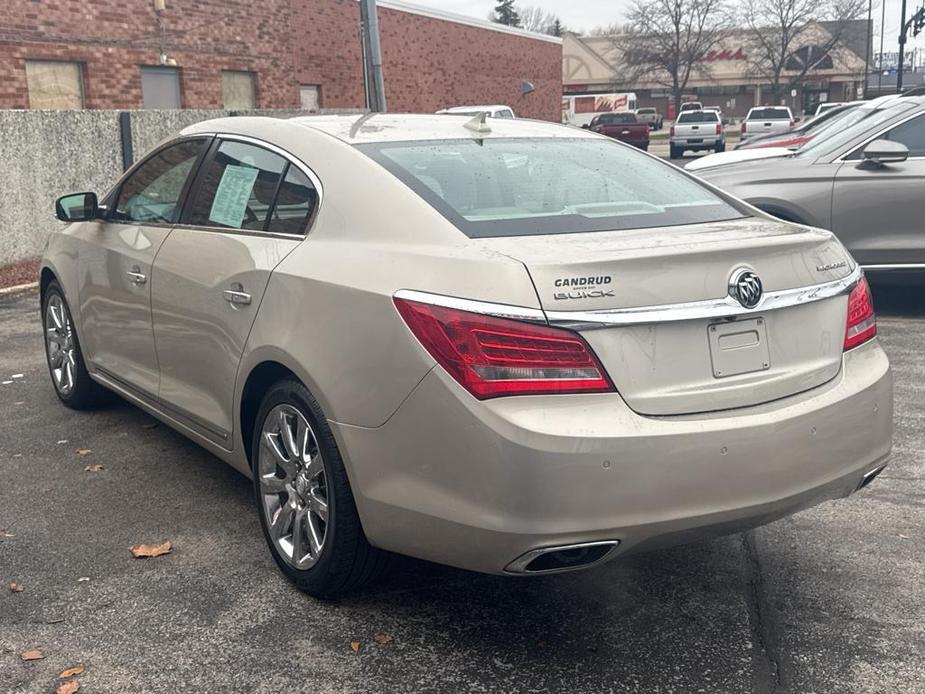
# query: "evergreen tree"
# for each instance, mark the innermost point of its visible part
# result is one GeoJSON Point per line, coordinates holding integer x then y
{"type": "Point", "coordinates": [506, 13]}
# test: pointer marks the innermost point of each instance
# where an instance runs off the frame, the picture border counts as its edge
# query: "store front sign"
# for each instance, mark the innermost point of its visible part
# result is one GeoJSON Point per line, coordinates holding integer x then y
{"type": "Point", "coordinates": [726, 54]}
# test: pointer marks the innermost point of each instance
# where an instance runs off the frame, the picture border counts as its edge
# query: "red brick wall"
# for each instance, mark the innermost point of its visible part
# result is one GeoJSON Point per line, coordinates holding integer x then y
{"type": "Point", "coordinates": [428, 63]}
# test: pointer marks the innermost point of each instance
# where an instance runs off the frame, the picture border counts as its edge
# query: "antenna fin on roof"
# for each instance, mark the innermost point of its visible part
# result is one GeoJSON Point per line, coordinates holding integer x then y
{"type": "Point", "coordinates": [478, 124]}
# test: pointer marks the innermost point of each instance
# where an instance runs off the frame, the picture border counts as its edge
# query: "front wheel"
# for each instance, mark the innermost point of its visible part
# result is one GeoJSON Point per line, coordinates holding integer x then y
{"type": "Point", "coordinates": [65, 360]}
{"type": "Point", "coordinates": [306, 507]}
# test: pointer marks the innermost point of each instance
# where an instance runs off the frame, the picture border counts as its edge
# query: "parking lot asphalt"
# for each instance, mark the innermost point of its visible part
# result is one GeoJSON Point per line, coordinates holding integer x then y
{"type": "Point", "coordinates": [830, 600]}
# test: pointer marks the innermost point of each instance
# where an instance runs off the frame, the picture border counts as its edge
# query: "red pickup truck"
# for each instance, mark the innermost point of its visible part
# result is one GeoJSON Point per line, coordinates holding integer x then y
{"type": "Point", "coordinates": [622, 126]}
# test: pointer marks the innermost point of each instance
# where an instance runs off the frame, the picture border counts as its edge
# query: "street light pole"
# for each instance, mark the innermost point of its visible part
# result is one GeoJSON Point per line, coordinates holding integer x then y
{"type": "Point", "coordinates": [902, 49]}
{"type": "Point", "coordinates": [372, 53]}
{"type": "Point", "coordinates": [870, 41]}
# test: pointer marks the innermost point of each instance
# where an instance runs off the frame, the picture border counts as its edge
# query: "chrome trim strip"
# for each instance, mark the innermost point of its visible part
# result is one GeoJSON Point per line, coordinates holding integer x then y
{"type": "Point", "coordinates": [895, 266]}
{"type": "Point", "coordinates": [518, 566]}
{"type": "Point", "coordinates": [726, 307]}
{"type": "Point", "coordinates": [531, 315]}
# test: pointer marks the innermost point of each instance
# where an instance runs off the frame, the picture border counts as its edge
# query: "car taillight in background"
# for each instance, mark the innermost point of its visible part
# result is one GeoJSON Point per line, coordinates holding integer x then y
{"type": "Point", "coordinates": [491, 357]}
{"type": "Point", "coordinates": [671, 132]}
{"type": "Point", "coordinates": [743, 127]}
{"type": "Point", "coordinates": [792, 122]}
{"type": "Point", "coordinates": [719, 128]}
{"type": "Point", "coordinates": [862, 322]}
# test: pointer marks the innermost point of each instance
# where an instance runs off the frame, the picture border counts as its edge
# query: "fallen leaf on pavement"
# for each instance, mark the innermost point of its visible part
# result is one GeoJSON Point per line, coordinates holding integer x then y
{"type": "Point", "coordinates": [70, 672]}
{"type": "Point", "coordinates": [145, 551]}
{"type": "Point", "coordinates": [34, 654]}
{"type": "Point", "coordinates": [355, 646]}
{"type": "Point", "coordinates": [96, 467]}
{"type": "Point", "coordinates": [67, 687]}
{"type": "Point", "coordinates": [16, 587]}
{"type": "Point", "coordinates": [383, 638]}
{"type": "Point", "coordinates": [83, 452]}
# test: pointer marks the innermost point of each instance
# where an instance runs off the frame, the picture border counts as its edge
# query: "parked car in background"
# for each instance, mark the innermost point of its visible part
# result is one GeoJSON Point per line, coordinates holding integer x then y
{"type": "Point", "coordinates": [800, 134]}
{"type": "Point", "coordinates": [827, 106]}
{"type": "Point", "coordinates": [622, 126]}
{"type": "Point", "coordinates": [864, 181]}
{"type": "Point", "coordinates": [690, 106]}
{"type": "Point", "coordinates": [696, 131]}
{"type": "Point", "coordinates": [763, 120]}
{"type": "Point", "coordinates": [496, 111]}
{"type": "Point", "coordinates": [650, 116]}
{"type": "Point", "coordinates": [718, 111]}
{"type": "Point", "coordinates": [422, 339]}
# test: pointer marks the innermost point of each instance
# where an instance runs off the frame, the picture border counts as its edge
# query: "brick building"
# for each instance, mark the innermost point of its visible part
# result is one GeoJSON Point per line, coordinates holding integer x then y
{"type": "Point", "coordinates": [128, 54]}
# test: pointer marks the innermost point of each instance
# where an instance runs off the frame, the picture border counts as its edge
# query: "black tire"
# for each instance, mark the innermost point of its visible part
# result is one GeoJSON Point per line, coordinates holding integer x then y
{"type": "Point", "coordinates": [674, 153]}
{"type": "Point", "coordinates": [346, 560]}
{"type": "Point", "coordinates": [84, 393]}
{"type": "Point", "coordinates": [721, 148]}
{"type": "Point", "coordinates": [645, 147]}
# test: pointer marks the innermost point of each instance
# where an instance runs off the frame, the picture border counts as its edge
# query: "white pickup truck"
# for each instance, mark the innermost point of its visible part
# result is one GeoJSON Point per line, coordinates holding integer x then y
{"type": "Point", "coordinates": [763, 120]}
{"type": "Point", "coordinates": [696, 130]}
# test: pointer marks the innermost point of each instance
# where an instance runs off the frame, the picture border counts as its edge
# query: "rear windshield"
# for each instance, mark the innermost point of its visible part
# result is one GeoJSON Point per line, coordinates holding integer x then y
{"type": "Point", "coordinates": [614, 119]}
{"type": "Point", "coordinates": [699, 117]}
{"type": "Point", "coordinates": [527, 186]}
{"type": "Point", "coordinates": [768, 114]}
{"type": "Point", "coordinates": [645, 111]}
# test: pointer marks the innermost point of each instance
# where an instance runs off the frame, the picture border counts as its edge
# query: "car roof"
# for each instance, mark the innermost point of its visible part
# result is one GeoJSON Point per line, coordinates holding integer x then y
{"type": "Point", "coordinates": [404, 127]}
{"type": "Point", "coordinates": [479, 107]}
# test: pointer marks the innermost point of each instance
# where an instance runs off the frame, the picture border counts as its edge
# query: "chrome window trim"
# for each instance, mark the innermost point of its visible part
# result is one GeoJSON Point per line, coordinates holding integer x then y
{"type": "Point", "coordinates": [725, 307]}
{"type": "Point", "coordinates": [522, 313]}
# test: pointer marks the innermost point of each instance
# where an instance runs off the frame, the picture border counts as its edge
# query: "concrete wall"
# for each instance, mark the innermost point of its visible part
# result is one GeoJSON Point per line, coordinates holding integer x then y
{"type": "Point", "coordinates": [46, 154]}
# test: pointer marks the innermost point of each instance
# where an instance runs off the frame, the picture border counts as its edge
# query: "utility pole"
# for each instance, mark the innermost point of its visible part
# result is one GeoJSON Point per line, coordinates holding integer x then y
{"type": "Point", "coordinates": [880, 62]}
{"type": "Point", "coordinates": [916, 23]}
{"type": "Point", "coordinates": [870, 41]}
{"type": "Point", "coordinates": [372, 56]}
{"type": "Point", "coordinates": [902, 49]}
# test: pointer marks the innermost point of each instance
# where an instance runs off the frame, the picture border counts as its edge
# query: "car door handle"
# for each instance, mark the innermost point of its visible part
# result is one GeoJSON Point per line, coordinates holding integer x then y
{"type": "Point", "coordinates": [239, 298]}
{"type": "Point", "coordinates": [136, 276]}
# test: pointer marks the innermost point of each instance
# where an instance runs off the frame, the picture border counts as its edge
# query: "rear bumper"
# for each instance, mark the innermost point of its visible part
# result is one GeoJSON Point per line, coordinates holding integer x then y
{"type": "Point", "coordinates": [704, 142]}
{"type": "Point", "coordinates": [478, 484]}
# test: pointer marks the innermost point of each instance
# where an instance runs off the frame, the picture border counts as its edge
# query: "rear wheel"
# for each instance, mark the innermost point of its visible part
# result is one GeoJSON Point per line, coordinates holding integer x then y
{"type": "Point", "coordinates": [66, 365]}
{"type": "Point", "coordinates": [674, 152]}
{"type": "Point", "coordinates": [306, 507]}
{"type": "Point", "coordinates": [720, 148]}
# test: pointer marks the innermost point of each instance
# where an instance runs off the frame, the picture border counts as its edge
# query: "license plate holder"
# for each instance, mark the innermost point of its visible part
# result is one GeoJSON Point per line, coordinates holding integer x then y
{"type": "Point", "coordinates": [739, 347]}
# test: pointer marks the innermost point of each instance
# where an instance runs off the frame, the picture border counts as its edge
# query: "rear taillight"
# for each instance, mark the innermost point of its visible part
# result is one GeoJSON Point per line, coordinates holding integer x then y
{"type": "Point", "coordinates": [491, 357]}
{"type": "Point", "coordinates": [743, 126]}
{"type": "Point", "coordinates": [792, 123]}
{"type": "Point", "coordinates": [719, 128]}
{"type": "Point", "coordinates": [862, 323]}
{"type": "Point", "coordinates": [671, 131]}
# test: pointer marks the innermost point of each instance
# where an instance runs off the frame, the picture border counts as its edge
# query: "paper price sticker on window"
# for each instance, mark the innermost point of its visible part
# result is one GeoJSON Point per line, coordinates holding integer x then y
{"type": "Point", "coordinates": [234, 192]}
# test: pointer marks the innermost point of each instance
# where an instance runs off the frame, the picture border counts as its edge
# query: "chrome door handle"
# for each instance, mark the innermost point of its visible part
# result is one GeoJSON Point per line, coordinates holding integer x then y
{"type": "Point", "coordinates": [136, 276]}
{"type": "Point", "coordinates": [238, 298]}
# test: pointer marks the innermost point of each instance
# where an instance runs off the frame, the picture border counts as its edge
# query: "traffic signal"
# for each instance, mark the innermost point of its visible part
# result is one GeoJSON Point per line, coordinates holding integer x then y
{"type": "Point", "coordinates": [918, 21]}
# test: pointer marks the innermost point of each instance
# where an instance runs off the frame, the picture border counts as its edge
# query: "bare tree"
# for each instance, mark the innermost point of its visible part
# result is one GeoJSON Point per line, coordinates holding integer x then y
{"type": "Point", "coordinates": [787, 39]}
{"type": "Point", "coordinates": [667, 41]}
{"type": "Point", "coordinates": [612, 29]}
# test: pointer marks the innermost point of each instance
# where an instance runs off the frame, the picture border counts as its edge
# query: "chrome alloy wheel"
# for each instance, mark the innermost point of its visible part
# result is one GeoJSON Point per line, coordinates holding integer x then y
{"type": "Point", "coordinates": [293, 487]}
{"type": "Point", "coordinates": [61, 345]}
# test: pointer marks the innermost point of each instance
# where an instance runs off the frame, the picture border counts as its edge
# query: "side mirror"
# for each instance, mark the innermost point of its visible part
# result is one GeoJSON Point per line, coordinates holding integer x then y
{"type": "Point", "coordinates": [586, 126]}
{"type": "Point", "coordinates": [881, 152]}
{"type": "Point", "coordinates": [77, 207]}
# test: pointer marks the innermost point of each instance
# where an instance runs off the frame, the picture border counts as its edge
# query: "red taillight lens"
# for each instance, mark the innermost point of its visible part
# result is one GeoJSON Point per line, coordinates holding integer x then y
{"type": "Point", "coordinates": [862, 323]}
{"type": "Point", "coordinates": [743, 126]}
{"type": "Point", "coordinates": [719, 128]}
{"type": "Point", "coordinates": [491, 357]}
{"type": "Point", "coordinates": [671, 131]}
{"type": "Point", "coordinates": [792, 123]}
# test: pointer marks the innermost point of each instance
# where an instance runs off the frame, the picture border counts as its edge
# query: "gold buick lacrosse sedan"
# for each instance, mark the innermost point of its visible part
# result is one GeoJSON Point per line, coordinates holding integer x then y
{"type": "Point", "coordinates": [508, 346]}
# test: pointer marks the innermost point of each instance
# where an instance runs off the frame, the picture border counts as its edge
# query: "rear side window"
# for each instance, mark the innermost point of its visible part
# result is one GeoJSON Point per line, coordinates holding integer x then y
{"type": "Point", "coordinates": [768, 114]}
{"type": "Point", "coordinates": [699, 117]}
{"type": "Point", "coordinates": [244, 186]}
{"type": "Point", "coordinates": [531, 186]}
{"type": "Point", "coordinates": [152, 192]}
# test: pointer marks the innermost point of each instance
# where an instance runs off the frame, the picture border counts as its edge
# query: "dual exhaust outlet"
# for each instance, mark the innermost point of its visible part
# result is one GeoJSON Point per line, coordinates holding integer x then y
{"type": "Point", "coordinates": [545, 560]}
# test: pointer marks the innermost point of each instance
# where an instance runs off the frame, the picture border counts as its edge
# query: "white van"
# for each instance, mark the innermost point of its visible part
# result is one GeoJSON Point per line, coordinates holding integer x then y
{"type": "Point", "coordinates": [580, 110]}
{"type": "Point", "coordinates": [496, 111]}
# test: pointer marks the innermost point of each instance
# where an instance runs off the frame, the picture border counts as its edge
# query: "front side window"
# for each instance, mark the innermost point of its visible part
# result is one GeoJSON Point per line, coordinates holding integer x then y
{"type": "Point", "coordinates": [152, 193]}
{"type": "Point", "coordinates": [244, 186]}
{"type": "Point", "coordinates": [529, 186]}
{"type": "Point", "coordinates": [911, 133]}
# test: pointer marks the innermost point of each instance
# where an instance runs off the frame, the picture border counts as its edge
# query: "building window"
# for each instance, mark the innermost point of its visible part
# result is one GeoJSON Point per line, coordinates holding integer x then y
{"type": "Point", "coordinates": [310, 95]}
{"type": "Point", "coordinates": [238, 90]}
{"type": "Point", "coordinates": [54, 85]}
{"type": "Point", "coordinates": [160, 87]}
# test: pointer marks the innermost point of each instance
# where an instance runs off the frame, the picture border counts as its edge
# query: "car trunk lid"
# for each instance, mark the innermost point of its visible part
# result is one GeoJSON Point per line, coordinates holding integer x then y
{"type": "Point", "coordinates": [665, 366]}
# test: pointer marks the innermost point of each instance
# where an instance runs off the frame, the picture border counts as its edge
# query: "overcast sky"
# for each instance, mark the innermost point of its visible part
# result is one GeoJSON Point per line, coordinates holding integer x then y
{"type": "Point", "coordinates": [584, 15]}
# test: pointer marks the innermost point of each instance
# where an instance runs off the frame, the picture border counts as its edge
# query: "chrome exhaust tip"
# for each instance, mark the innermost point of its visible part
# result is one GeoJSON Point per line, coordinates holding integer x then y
{"type": "Point", "coordinates": [547, 560]}
{"type": "Point", "coordinates": [869, 477]}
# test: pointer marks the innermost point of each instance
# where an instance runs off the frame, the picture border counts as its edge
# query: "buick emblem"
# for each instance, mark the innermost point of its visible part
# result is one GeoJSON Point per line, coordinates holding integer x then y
{"type": "Point", "coordinates": [745, 287]}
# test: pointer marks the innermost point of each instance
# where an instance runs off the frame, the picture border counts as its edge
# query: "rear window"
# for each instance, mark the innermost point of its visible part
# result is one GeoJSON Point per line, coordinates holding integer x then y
{"type": "Point", "coordinates": [614, 119]}
{"type": "Point", "coordinates": [645, 111]}
{"type": "Point", "coordinates": [698, 117]}
{"type": "Point", "coordinates": [768, 114]}
{"type": "Point", "coordinates": [528, 186]}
